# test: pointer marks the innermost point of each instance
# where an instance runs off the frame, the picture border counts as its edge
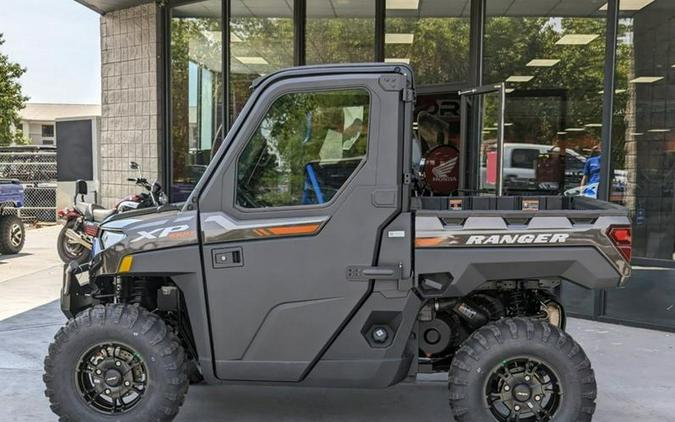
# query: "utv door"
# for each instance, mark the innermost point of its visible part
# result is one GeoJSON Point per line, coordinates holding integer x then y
{"type": "Point", "coordinates": [310, 177]}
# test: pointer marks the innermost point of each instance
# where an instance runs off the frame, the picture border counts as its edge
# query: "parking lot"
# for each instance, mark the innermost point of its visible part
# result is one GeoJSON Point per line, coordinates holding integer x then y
{"type": "Point", "coordinates": [634, 367]}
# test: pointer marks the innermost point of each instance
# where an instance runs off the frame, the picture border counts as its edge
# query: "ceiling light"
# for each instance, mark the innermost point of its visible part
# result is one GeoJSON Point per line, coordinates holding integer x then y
{"type": "Point", "coordinates": [397, 60]}
{"type": "Point", "coordinates": [636, 134]}
{"type": "Point", "coordinates": [575, 129]}
{"type": "Point", "coordinates": [516, 78]}
{"type": "Point", "coordinates": [562, 133]}
{"type": "Point", "coordinates": [251, 60]}
{"type": "Point", "coordinates": [631, 4]}
{"type": "Point", "coordinates": [543, 62]}
{"type": "Point", "coordinates": [398, 38]}
{"type": "Point", "coordinates": [646, 79]}
{"type": "Point", "coordinates": [403, 4]}
{"type": "Point", "coordinates": [658, 130]}
{"type": "Point", "coordinates": [593, 125]}
{"type": "Point", "coordinates": [508, 124]}
{"type": "Point", "coordinates": [617, 91]}
{"type": "Point", "coordinates": [509, 90]}
{"type": "Point", "coordinates": [577, 39]}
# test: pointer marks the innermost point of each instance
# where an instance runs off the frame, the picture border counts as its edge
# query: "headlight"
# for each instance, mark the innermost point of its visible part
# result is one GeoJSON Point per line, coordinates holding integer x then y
{"type": "Point", "coordinates": [110, 238]}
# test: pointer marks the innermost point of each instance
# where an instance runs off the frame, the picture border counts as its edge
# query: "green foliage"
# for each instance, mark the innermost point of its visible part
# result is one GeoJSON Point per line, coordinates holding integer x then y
{"type": "Point", "coordinates": [567, 94]}
{"type": "Point", "coordinates": [11, 100]}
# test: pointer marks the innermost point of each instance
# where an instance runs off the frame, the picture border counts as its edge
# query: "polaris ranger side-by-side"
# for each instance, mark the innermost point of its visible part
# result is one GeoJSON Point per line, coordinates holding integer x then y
{"type": "Point", "coordinates": [307, 256]}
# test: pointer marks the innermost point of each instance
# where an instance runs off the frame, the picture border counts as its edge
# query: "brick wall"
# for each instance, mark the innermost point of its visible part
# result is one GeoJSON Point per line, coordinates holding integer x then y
{"type": "Point", "coordinates": [129, 104]}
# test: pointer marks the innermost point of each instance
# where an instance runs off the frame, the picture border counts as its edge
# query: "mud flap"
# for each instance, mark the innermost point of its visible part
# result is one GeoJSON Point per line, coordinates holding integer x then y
{"type": "Point", "coordinates": [75, 293]}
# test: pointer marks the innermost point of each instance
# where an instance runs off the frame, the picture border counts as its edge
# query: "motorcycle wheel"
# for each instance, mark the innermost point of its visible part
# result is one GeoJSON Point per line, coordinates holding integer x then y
{"type": "Point", "coordinates": [68, 250]}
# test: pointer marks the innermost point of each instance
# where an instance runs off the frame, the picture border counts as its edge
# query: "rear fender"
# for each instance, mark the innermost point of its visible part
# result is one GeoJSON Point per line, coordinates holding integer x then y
{"type": "Point", "coordinates": [470, 268]}
{"type": "Point", "coordinates": [68, 214]}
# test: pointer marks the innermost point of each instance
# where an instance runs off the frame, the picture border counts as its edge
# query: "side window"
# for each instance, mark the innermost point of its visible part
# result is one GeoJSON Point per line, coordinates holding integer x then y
{"type": "Point", "coordinates": [524, 158]}
{"type": "Point", "coordinates": [305, 149]}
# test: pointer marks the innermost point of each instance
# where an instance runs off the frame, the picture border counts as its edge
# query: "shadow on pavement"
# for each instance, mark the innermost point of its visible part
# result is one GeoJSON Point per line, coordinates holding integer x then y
{"type": "Point", "coordinates": [8, 257]}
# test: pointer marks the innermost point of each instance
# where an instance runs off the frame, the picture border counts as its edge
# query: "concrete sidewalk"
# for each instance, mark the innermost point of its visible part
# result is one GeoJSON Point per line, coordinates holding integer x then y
{"type": "Point", "coordinates": [32, 277]}
{"type": "Point", "coordinates": [634, 368]}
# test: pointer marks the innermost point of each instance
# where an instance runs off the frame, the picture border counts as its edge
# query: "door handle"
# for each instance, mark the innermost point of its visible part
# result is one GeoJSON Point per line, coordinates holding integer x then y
{"type": "Point", "coordinates": [380, 272]}
{"type": "Point", "coordinates": [227, 257]}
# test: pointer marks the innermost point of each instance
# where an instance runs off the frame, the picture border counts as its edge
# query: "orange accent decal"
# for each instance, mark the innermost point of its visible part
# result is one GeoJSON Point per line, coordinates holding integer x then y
{"type": "Point", "coordinates": [294, 230]}
{"type": "Point", "coordinates": [261, 232]}
{"type": "Point", "coordinates": [428, 242]}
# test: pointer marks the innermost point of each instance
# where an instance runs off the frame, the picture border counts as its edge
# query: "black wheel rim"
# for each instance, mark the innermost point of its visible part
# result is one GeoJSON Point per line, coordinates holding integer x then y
{"type": "Point", "coordinates": [523, 389]}
{"type": "Point", "coordinates": [111, 378]}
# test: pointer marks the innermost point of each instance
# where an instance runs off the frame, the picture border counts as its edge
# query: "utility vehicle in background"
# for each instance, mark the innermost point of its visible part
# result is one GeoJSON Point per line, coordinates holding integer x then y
{"type": "Point", "coordinates": [12, 230]}
{"type": "Point", "coordinates": [306, 255]}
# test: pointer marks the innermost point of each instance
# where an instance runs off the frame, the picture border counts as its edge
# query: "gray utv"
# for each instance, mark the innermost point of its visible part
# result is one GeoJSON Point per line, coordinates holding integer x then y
{"type": "Point", "coordinates": [306, 255]}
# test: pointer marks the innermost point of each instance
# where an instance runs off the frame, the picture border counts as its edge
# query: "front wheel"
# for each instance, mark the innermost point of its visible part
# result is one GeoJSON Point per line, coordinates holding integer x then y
{"type": "Point", "coordinates": [117, 363]}
{"type": "Point", "coordinates": [69, 250]}
{"type": "Point", "coordinates": [12, 234]}
{"type": "Point", "coordinates": [519, 369]}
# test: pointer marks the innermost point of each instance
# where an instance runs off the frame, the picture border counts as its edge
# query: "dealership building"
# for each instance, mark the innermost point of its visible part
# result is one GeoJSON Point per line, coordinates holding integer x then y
{"type": "Point", "coordinates": [557, 81]}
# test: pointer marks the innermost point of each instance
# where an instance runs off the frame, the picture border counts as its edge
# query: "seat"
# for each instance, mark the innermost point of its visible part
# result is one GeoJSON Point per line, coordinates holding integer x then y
{"type": "Point", "coordinates": [93, 212]}
{"type": "Point", "coordinates": [101, 214]}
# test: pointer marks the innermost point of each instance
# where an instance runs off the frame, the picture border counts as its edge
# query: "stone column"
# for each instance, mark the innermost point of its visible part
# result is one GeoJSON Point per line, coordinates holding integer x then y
{"type": "Point", "coordinates": [130, 67]}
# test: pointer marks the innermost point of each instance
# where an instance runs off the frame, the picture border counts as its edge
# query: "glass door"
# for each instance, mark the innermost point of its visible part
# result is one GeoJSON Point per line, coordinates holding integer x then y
{"type": "Point", "coordinates": [482, 140]}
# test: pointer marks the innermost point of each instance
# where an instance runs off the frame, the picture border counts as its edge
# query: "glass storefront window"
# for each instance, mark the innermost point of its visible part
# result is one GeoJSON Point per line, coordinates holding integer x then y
{"type": "Point", "coordinates": [261, 41]}
{"type": "Point", "coordinates": [643, 154]}
{"type": "Point", "coordinates": [196, 92]}
{"type": "Point", "coordinates": [434, 39]}
{"type": "Point", "coordinates": [340, 31]}
{"type": "Point", "coordinates": [552, 60]}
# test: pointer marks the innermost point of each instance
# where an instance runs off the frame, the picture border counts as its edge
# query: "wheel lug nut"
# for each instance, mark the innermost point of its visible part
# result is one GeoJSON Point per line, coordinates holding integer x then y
{"type": "Point", "coordinates": [127, 383]}
{"type": "Point", "coordinates": [516, 408]}
{"type": "Point", "coordinates": [107, 391]}
{"type": "Point", "coordinates": [118, 363]}
{"type": "Point", "coordinates": [537, 398]}
{"type": "Point", "coordinates": [98, 372]}
{"type": "Point", "coordinates": [507, 388]}
{"type": "Point", "coordinates": [527, 378]}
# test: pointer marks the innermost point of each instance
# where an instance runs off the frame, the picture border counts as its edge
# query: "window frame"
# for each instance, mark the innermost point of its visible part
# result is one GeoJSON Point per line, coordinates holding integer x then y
{"type": "Point", "coordinates": [242, 146]}
{"type": "Point", "coordinates": [43, 127]}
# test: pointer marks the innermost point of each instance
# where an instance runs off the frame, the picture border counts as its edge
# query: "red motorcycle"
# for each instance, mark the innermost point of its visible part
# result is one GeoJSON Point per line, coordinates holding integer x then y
{"type": "Point", "coordinates": [82, 220]}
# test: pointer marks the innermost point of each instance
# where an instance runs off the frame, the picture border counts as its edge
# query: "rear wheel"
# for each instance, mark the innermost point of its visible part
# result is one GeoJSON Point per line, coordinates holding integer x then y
{"type": "Point", "coordinates": [115, 363]}
{"type": "Point", "coordinates": [69, 250]}
{"type": "Point", "coordinates": [12, 234]}
{"type": "Point", "coordinates": [524, 370]}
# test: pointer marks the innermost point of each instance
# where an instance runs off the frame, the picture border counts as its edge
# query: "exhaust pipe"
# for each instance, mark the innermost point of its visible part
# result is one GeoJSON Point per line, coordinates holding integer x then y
{"type": "Point", "coordinates": [75, 237]}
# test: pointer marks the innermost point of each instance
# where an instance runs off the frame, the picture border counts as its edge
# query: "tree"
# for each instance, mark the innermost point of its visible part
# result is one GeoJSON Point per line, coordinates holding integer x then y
{"type": "Point", "coordinates": [11, 99]}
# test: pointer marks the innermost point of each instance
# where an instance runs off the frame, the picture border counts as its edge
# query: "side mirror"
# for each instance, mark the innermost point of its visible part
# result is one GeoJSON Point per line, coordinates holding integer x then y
{"type": "Point", "coordinates": [80, 187]}
{"type": "Point", "coordinates": [134, 165]}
